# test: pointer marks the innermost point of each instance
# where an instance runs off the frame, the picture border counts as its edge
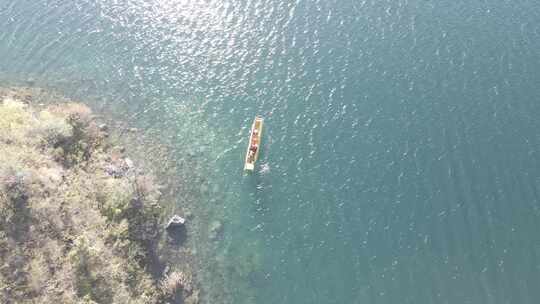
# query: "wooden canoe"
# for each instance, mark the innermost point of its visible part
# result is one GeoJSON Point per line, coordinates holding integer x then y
{"type": "Point", "coordinates": [254, 145]}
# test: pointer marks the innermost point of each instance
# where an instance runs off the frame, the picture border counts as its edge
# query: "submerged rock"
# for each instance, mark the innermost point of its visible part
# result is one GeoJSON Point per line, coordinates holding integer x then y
{"type": "Point", "coordinates": [204, 188]}
{"type": "Point", "coordinates": [216, 227]}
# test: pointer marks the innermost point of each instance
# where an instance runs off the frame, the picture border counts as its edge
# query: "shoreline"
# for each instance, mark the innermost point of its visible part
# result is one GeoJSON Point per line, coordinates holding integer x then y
{"type": "Point", "coordinates": [105, 154]}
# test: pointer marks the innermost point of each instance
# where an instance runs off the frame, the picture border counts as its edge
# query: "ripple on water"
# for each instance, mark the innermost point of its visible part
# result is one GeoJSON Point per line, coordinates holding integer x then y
{"type": "Point", "coordinates": [397, 134]}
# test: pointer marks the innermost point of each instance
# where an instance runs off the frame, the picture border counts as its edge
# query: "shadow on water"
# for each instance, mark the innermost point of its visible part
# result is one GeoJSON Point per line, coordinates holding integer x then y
{"type": "Point", "coordinates": [176, 236]}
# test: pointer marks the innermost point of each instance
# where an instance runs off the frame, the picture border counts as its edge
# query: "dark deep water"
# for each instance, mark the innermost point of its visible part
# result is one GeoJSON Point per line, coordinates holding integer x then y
{"type": "Point", "coordinates": [401, 136]}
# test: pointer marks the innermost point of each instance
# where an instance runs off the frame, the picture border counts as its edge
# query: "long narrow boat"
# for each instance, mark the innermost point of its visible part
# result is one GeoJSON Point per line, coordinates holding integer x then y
{"type": "Point", "coordinates": [253, 149]}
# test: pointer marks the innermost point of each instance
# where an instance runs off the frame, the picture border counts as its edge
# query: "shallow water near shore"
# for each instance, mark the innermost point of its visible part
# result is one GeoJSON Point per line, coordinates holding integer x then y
{"type": "Point", "coordinates": [400, 147]}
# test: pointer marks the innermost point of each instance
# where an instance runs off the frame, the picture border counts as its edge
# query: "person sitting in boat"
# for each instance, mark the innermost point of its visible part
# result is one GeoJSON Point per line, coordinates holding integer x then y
{"type": "Point", "coordinates": [252, 151]}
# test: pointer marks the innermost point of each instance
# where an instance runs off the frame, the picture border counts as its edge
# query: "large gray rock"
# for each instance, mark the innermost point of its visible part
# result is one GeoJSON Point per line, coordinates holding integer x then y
{"type": "Point", "coordinates": [175, 221]}
{"type": "Point", "coordinates": [216, 227]}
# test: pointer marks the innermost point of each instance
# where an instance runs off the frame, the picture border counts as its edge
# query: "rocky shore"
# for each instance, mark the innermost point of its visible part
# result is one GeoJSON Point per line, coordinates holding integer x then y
{"type": "Point", "coordinates": [82, 220]}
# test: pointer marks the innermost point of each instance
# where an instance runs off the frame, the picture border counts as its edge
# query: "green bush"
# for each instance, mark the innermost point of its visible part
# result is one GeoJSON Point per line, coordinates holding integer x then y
{"type": "Point", "coordinates": [89, 281]}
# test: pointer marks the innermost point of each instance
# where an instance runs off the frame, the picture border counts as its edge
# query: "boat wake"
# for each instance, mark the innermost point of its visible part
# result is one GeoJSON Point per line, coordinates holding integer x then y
{"type": "Point", "coordinates": [265, 168]}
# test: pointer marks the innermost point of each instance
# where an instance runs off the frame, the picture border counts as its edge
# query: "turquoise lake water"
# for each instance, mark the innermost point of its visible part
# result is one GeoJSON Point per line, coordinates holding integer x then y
{"type": "Point", "coordinates": [401, 152]}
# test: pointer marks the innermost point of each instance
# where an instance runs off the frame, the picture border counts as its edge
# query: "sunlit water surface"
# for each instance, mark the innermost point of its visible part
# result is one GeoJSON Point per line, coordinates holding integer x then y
{"type": "Point", "coordinates": [401, 152]}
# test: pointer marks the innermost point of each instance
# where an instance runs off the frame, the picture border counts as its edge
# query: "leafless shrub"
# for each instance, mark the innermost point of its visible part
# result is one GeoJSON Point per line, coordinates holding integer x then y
{"type": "Point", "coordinates": [175, 282]}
